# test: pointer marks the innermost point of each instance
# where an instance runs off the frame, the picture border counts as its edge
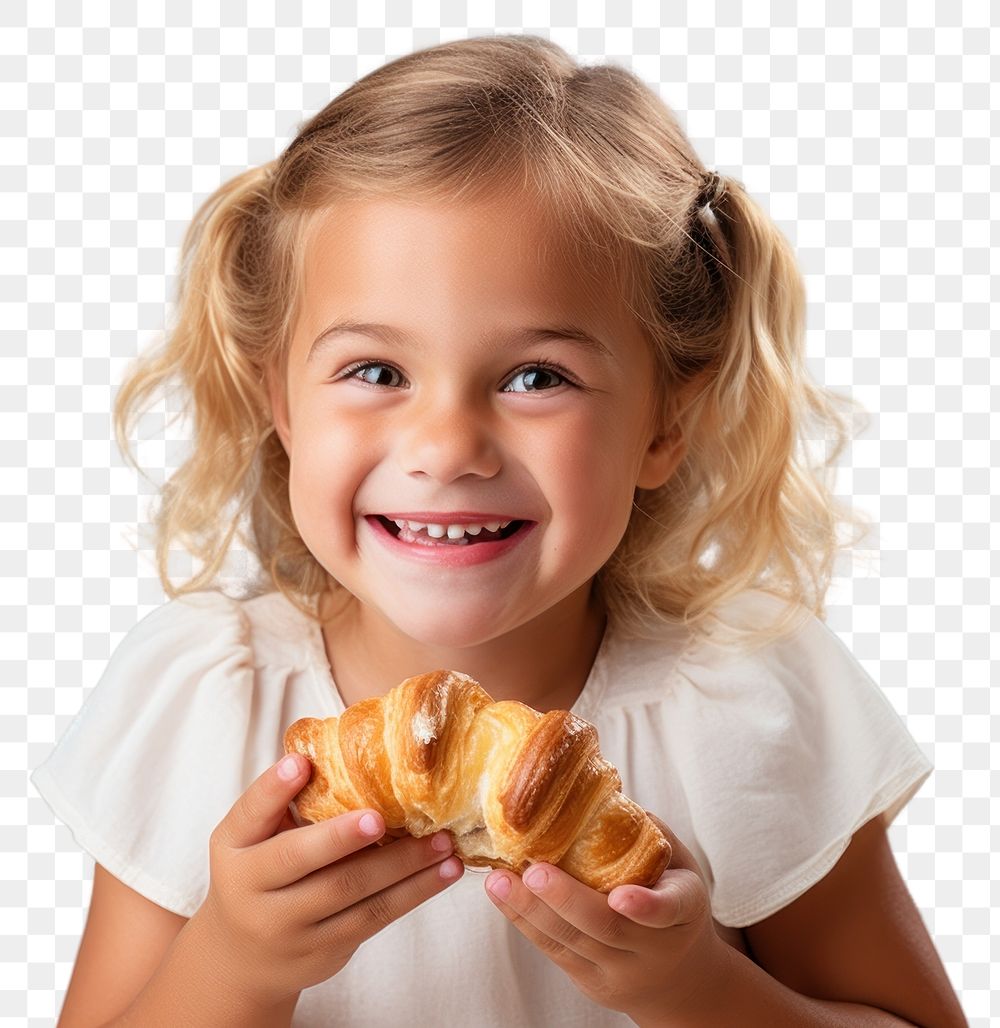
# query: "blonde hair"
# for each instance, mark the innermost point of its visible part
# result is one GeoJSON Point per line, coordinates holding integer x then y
{"type": "Point", "coordinates": [710, 278]}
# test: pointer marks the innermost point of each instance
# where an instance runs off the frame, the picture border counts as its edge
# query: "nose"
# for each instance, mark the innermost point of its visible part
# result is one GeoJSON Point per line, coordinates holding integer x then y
{"type": "Point", "coordinates": [446, 438]}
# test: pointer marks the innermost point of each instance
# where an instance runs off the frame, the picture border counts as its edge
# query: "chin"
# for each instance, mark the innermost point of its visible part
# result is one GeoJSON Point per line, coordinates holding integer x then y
{"type": "Point", "coordinates": [447, 626]}
{"type": "Point", "coordinates": [445, 635]}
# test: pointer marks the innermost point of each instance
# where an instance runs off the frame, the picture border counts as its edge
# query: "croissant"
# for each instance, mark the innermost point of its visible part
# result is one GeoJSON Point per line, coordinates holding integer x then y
{"type": "Point", "coordinates": [512, 785]}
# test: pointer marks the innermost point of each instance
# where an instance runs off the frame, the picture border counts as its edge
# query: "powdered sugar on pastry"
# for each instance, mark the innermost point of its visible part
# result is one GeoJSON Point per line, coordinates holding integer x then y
{"type": "Point", "coordinates": [424, 727]}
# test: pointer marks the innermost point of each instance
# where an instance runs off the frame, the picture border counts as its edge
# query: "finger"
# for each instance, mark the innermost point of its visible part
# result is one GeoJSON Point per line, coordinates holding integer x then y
{"type": "Point", "coordinates": [289, 856]}
{"type": "Point", "coordinates": [678, 898]}
{"type": "Point", "coordinates": [256, 815]}
{"type": "Point", "coordinates": [364, 919]}
{"type": "Point", "coordinates": [369, 872]}
{"type": "Point", "coordinates": [287, 822]}
{"type": "Point", "coordinates": [680, 855]}
{"type": "Point", "coordinates": [558, 940]}
{"type": "Point", "coordinates": [586, 910]}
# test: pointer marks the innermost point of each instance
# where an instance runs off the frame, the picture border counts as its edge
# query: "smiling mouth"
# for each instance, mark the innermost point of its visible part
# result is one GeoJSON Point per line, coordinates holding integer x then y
{"type": "Point", "coordinates": [448, 535]}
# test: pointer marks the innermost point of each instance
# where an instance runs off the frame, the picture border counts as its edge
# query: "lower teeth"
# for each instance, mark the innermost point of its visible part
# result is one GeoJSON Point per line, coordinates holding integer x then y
{"type": "Point", "coordinates": [424, 539]}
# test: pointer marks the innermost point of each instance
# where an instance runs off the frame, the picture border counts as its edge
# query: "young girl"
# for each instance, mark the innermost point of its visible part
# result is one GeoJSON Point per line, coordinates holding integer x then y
{"type": "Point", "coordinates": [492, 375]}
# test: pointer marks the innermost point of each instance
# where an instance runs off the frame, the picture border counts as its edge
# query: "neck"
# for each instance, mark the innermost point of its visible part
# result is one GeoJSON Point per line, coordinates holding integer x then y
{"type": "Point", "coordinates": [543, 663]}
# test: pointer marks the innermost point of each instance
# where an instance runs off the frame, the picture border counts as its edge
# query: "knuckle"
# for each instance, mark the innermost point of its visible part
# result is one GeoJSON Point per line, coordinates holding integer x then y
{"type": "Point", "coordinates": [247, 808]}
{"type": "Point", "coordinates": [352, 881]}
{"type": "Point", "coordinates": [691, 893]}
{"type": "Point", "coordinates": [230, 884]}
{"type": "Point", "coordinates": [551, 945]}
{"type": "Point", "coordinates": [383, 906]}
{"type": "Point", "coordinates": [672, 901]}
{"type": "Point", "coordinates": [339, 834]}
{"type": "Point", "coordinates": [290, 855]}
{"type": "Point", "coordinates": [379, 910]}
{"type": "Point", "coordinates": [419, 854]}
{"type": "Point", "coordinates": [563, 933]}
{"type": "Point", "coordinates": [219, 859]}
{"type": "Point", "coordinates": [217, 841]}
{"type": "Point", "coordinates": [612, 927]}
{"type": "Point", "coordinates": [566, 902]}
{"type": "Point", "coordinates": [409, 855]}
{"type": "Point", "coordinates": [241, 878]}
{"type": "Point", "coordinates": [685, 898]}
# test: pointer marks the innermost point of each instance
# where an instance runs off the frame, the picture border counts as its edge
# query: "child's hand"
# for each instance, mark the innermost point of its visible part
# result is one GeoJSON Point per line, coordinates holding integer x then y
{"type": "Point", "coordinates": [649, 953]}
{"type": "Point", "coordinates": [287, 906]}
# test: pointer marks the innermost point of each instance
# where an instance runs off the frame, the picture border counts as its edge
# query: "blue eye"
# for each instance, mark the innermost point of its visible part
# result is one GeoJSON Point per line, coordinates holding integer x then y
{"type": "Point", "coordinates": [534, 379]}
{"type": "Point", "coordinates": [375, 373]}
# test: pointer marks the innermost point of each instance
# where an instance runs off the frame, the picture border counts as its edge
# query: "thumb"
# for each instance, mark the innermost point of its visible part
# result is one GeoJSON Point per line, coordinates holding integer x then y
{"type": "Point", "coordinates": [680, 855]}
{"type": "Point", "coordinates": [680, 896]}
{"type": "Point", "coordinates": [263, 808]}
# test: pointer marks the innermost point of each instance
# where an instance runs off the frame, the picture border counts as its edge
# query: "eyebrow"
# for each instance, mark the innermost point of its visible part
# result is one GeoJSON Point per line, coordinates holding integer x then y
{"type": "Point", "coordinates": [390, 334]}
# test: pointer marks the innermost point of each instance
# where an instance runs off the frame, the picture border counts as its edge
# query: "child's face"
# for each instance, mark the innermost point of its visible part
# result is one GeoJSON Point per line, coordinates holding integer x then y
{"type": "Point", "coordinates": [463, 416]}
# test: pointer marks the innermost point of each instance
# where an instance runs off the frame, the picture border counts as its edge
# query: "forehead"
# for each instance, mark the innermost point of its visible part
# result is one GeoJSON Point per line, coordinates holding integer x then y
{"type": "Point", "coordinates": [501, 257]}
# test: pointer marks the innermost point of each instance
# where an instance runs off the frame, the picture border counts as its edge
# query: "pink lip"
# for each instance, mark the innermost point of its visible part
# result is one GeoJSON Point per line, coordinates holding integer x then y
{"type": "Point", "coordinates": [445, 554]}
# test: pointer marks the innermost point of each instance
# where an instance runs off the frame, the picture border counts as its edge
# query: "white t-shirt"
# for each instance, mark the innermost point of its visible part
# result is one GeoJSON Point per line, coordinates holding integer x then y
{"type": "Point", "coordinates": [763, 764]}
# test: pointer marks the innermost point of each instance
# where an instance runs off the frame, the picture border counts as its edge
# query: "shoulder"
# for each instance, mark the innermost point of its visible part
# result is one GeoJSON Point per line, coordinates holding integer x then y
{"type": "Point", "coordinates": [205, 652]}
{"type": "Point", "coordinates": [741, 645]}
{"type": "Point", "coordinates": [800, 689]}
{"type": "Point", "coordinates": [192, 616]}
{"type": "Point", "coordinates": [790, 733]}
{"type": "Point", "coordinates": [734, 645]}
{"type": "Point", "coordinates": [209, 626]}
{"type": "Point", "coordinates": [753, 649]}
{"type": "Point", "coordinates": [189, 709]}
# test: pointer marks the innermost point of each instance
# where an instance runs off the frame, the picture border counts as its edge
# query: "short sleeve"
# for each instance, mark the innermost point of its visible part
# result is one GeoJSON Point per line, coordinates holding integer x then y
{"type": "Point", "coordinates": [154, 759]}
{"type": "Point", "coordinates": [795, 747]}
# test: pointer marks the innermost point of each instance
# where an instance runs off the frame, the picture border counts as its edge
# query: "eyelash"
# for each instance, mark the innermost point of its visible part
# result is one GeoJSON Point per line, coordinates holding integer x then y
{"type": "Point", "coordinates": [352, 370]}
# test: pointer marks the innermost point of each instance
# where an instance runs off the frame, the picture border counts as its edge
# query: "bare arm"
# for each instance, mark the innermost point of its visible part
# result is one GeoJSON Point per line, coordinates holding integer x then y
{"type": "Point", "coordinates": [192, 987]}
{"type": "Point", "coordinates": [139, 963]}
{"type": "Point", "coordinates": [857, 935]}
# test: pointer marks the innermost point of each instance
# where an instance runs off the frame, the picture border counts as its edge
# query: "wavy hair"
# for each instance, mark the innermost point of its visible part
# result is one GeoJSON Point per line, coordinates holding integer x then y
{"type": "Point", "coordinates": [711, 279]}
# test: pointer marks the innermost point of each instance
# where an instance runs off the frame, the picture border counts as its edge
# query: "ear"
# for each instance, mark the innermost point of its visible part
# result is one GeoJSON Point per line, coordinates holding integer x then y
{"type": "Point", "coordinates": [278, 397]}
{"type": "Point", "coordinates": [660, 460]}
{"type": "Point", "coordinates": [669, 445]}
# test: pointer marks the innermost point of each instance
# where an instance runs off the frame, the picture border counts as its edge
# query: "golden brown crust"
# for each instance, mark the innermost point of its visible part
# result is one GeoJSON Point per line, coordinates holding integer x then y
{"type": "Point", "coordinates": [512, 785]}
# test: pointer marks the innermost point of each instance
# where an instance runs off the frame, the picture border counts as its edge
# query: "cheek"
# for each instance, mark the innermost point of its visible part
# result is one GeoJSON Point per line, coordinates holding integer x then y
{"type": "Point", "coordinates": [594, 479]}
{"type": "Point", "coordinates": [326, 464]}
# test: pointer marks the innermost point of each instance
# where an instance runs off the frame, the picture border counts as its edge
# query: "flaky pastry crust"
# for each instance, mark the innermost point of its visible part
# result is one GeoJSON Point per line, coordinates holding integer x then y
{"type": "Point", "coordinates": [512, 785]}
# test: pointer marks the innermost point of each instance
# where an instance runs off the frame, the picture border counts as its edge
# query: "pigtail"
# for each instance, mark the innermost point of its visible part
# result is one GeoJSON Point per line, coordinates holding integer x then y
{"type": "Point", "coordinates": [774, 497]}
{"type": "Point", "coordinates": [750, 506]}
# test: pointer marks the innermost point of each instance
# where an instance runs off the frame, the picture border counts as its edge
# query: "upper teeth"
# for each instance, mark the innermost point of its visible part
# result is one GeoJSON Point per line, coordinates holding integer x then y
{"type": "Point", "coordinates": [452, 531]}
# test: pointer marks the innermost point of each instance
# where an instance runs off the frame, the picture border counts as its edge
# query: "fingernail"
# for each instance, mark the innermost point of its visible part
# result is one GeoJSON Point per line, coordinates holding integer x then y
{"type": "Point", "coordinates": [619, 901]}
{"type": "Point", "coordinates": [500, 887]}
{"type": "Point", "coordinates": [535, 877]}
{"type": "Point", "coordinates": [441, 842]}
{"type": "Point", "coordinates": [369, 824]}
{"type": "Point", "coordinates": [288, 768]}
{"type": "Point", "coordinates": [450, 868]}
